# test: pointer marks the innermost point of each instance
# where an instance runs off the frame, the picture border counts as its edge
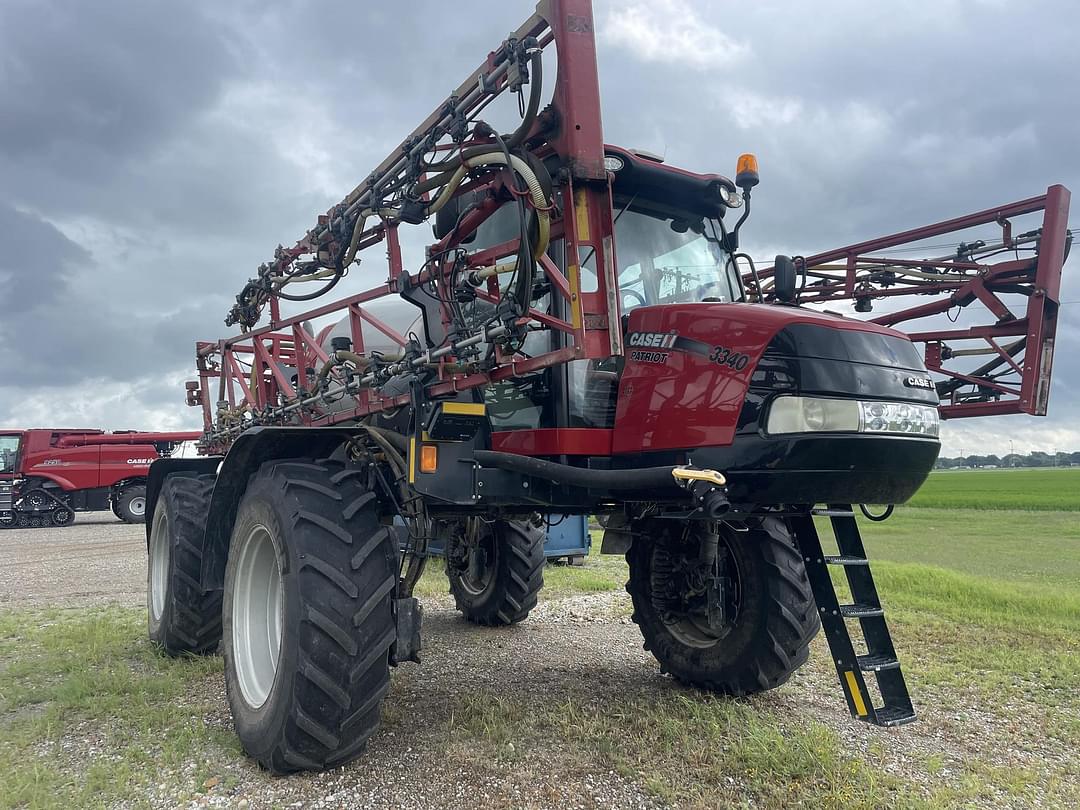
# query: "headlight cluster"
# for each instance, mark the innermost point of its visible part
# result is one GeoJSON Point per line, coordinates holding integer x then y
{"type": "Point", "coordinates": [790, 414]}
{"type": "Point", "coordinates": [899, 417]}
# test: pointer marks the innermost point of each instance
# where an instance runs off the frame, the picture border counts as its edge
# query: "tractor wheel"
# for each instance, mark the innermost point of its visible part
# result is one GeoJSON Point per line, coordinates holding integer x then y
{"type": "Point", "coordinates": [183, 618]}
{"type": "Point", "coordinates": [738, 625]}
{"type": "Point", "coordinates": [131, 505]}
{"type": "Point", "coordinates": [62, 516]}
{"type": "Point", "coordinates": [38, 500]}
{"type": "Point", "coordinates": [496, 574]}
{"type": "Point", "coordinates": [308, 612]}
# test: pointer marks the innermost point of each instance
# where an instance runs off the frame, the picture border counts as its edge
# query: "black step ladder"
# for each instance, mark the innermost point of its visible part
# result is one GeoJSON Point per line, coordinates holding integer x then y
{"type": "Point", "coordinates": [880, 657]}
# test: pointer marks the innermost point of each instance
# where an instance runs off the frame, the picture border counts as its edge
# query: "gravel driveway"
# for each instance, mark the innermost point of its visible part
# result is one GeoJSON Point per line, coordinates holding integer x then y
{"type": "Point", "coordinates": [96, 560]}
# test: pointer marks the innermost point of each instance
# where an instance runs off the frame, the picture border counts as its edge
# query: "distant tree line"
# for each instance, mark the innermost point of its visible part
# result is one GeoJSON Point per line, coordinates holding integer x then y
{"type": "Point", "coordinates": [1036, 459]}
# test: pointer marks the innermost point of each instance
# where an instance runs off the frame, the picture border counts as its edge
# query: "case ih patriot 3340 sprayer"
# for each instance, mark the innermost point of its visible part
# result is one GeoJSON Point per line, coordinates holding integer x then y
{"type": "Point", "coordinates": [584, 337]}
{"type": "Point", "coordinates": [47, 475]}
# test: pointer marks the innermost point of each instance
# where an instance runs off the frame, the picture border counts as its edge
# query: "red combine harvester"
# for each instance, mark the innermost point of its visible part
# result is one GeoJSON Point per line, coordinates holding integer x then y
{"type": "Point", "coordinates": [47, 475]}
{"type": "Point", "coordinates": [584, 336]}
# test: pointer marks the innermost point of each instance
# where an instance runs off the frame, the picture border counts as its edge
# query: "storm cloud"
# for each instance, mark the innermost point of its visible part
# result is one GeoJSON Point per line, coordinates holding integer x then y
{"type": "Point", "coordinates": [152, 154]}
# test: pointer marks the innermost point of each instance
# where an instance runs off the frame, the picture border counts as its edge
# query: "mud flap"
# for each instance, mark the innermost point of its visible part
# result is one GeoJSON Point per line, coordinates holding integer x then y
{"type": "Point", "coordinates": [408, 615]}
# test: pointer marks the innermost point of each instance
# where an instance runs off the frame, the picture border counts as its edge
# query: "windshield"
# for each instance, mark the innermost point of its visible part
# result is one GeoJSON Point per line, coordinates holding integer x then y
{"type": "Point", "coordinates": [664, 261]}
{"type": "Point", "coordinates": [9, 447]}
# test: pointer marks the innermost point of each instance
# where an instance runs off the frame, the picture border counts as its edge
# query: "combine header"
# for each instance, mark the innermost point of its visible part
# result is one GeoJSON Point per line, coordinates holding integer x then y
{"type": "Point", "coordinates": [583, 336]}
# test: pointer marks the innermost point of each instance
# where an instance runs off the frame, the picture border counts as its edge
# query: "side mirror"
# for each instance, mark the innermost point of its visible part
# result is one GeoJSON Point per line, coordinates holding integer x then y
{"type": "Point", "coordinates": [784, 277]}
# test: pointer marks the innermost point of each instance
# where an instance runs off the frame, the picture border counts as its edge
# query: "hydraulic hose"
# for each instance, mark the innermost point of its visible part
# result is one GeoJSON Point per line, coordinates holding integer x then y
{"type": "Point", "coordinates": [536, 191]}
{"type": "Point", "coordinates": [643, 478]}
{"type": "Point", "coordinates": [337, 358]}
{"type": "Point", "coordinates": [396, 440]}
{"type": "Point", "coordinates": [517, 137]}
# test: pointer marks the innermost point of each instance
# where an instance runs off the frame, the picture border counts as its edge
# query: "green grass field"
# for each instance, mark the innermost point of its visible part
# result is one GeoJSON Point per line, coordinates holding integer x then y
{"type": "Point", "coordinates": [1028, 489]}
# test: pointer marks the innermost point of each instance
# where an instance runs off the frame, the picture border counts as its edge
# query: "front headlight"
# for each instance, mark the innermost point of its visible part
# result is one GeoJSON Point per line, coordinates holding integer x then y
{"type": "Point", "coordinates": [790, 414]}
{"type": "Point", "coordinates": [899, 417]}
{"type": "Point", "coordinates": [813, 415]}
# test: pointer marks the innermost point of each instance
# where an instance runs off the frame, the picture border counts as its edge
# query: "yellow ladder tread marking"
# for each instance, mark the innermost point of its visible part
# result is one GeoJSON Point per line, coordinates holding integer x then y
{"type": "Point", "coordinates": [856, 693]}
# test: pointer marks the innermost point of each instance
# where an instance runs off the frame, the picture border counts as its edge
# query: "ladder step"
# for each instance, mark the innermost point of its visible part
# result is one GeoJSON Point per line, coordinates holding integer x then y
{"type": "Point", "coordinates": [859, 611]}
{"type": "Point", "coordinates": [894, 716]}
{"type": "Point", "coordinates": [846, 560]}
{"type": "Point", "coordinates": [832, 513]}
{"type": "Point", "coordinates": [876, 663]}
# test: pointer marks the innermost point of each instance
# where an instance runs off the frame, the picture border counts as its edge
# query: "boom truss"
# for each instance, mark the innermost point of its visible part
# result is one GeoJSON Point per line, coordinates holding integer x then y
{"type": "Point", "coordinates": [1016, 278]}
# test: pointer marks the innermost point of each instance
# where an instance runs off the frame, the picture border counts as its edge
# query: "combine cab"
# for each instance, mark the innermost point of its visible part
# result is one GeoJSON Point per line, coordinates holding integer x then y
{"type": "Point", "coordinates": [582, 337]}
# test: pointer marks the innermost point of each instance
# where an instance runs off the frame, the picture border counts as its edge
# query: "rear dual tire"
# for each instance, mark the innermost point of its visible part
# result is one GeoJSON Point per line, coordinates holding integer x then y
{"type": "Point", "coordinates": [183, 617]}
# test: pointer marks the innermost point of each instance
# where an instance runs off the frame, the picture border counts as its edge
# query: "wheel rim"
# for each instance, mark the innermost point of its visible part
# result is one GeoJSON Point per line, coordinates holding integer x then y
{"type": "Point", "coordinates": [137, 506]}
{"type": "Point", "coordinates": [479, 570]}
{"type": "Point", "coordinates": [159, 564]}
{"type": "Point", "coordinates": [693, 629]}
{"type": "Point", "coordinates": [257, 603]}
{"type": "Point", "coordinates": [62, 517]}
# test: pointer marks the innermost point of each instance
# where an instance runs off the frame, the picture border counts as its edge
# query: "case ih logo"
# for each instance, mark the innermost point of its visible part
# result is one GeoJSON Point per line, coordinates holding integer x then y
{"type": "Point", "coordinates": [652, 340]}
{"type": "Point", "coordinates": [920, 382]}
{"type": "Point", "coordinates": [141, 461]}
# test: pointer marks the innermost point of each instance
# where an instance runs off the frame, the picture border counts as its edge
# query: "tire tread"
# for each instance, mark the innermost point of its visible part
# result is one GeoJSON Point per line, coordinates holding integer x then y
{"type": "Point", "coordinates": [346, 573]}
{"type": "Point", "coordinates": [191, 620]}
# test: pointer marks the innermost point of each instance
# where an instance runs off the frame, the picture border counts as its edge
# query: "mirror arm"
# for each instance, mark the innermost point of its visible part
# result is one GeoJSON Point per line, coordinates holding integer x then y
{"type": "Point", "coordinates": [733, 237]}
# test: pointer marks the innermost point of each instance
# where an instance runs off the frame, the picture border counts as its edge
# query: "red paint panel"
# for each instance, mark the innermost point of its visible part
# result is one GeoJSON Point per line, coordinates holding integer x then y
{"type": "Point", "coordinates": [88, 466]}
{"type": "Point", "coordinates": [554, 442]}
{"type": "Point", "coordinates": [127, 461]}
{"type": "Point", "coordinates": [689, 400]}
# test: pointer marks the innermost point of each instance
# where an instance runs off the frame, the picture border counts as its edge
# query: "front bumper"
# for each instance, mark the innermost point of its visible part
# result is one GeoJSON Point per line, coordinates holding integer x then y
{"type": "Point", "coordinates": [823, 468]}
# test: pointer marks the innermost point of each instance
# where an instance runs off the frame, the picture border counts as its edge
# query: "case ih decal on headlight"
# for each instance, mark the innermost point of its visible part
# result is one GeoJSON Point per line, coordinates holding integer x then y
{"type": "Point", "coordinates": [672, 341]}
{"type": "Point", "coordinates": [919, 382]}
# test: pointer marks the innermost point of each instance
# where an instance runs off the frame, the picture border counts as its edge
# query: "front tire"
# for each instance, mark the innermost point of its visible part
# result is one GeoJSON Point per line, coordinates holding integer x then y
{"type": "Point", "coordinates": [130, 507]}
{"type": "Point", "coordinates": [496, 575]}
{"type": "Point", "coordinates": [308, 612]}
{"type": "Point", "coordinates": [183, 618]}
{"type": "Point", "coordinates": [760, 632]}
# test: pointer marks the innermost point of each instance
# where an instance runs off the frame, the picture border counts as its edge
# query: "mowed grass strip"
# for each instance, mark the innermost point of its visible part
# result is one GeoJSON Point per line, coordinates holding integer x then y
{"type": "Point", "coordinates": [1054, 488]}
{"type": "Point", "coordinates": [1042, 548]}
{"type": "Point", "coordinates": [90, 712]}
{"type": "Point", "coordinates": [684, 747]}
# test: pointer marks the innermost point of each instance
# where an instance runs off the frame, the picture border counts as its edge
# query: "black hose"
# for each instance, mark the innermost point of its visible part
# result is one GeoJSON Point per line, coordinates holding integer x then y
{"type": "Point", "coordinates": [526, 266]}
{"type": "Point", "coordinates": [513, 140]}
{"type": "Point", "coordinates": [876, 518]}
{"type": "Point", "coordinates": [641, 478]}
{"type": "Point", "coordinates": [394, 438]}
{"type": "Point", "coordinates": [323, 290]}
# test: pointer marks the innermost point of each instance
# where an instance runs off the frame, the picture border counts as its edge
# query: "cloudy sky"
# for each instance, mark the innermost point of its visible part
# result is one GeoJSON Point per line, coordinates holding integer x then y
{"type": "Point", "coordinates": [152, 153]}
